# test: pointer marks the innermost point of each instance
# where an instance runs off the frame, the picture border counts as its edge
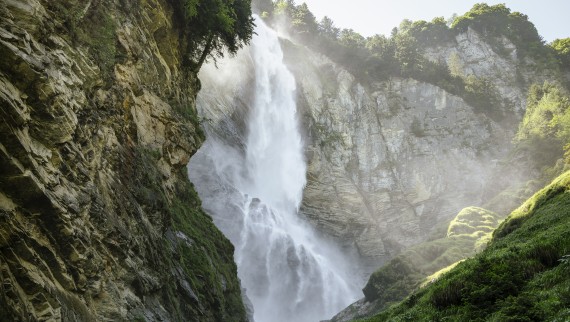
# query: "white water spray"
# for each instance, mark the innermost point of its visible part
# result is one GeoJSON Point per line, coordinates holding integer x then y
{"type": "Point", "coordinates": [254, 197]}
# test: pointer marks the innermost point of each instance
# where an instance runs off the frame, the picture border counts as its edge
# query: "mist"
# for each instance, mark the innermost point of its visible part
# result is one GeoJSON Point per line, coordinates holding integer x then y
{"type": "Point", "coordinates": [254, 191]}
{"type": "Point", "coordinates": [329, 155]}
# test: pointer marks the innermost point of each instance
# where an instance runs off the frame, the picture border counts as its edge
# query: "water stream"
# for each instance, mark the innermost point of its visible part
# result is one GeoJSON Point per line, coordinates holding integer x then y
{"type": "Point", "coordinates": [254, 194]}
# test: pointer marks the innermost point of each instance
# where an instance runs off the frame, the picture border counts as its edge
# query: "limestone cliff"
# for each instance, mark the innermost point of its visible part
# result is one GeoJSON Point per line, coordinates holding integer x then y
{"type": "Point", "coordinates": [392, 161]}
{"type": "Point", "coordinates": [98, 220]}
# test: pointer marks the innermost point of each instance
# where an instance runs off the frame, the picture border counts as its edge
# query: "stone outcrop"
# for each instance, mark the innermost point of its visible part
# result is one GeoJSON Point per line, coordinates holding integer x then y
{"type": "Point", "coordinates": [98, 221]}
{"type": "Point", "coordinates": [391, 162]}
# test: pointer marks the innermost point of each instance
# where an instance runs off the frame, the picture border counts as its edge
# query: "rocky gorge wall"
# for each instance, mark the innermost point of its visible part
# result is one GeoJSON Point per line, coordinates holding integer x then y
{"type": "Point", "coordinates": [98, 220]}
{"type": "Point", "coordinates": [391, 162]}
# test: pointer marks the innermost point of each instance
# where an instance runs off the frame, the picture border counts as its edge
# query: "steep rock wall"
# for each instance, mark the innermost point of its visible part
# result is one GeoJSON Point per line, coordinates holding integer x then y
{"type": "Point", "coordinates": [97, 218]}
{"type": "Point", "coordinates": [389, 162]}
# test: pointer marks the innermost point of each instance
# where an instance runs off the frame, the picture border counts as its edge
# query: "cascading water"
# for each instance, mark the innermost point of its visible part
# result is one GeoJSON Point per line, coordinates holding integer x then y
{"type": "Point", "coordinates": [254, 196]}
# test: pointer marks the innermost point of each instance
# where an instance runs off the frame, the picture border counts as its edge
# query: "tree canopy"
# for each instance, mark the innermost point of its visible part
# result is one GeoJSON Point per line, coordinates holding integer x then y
{"type": "Point", "coordinates": [562, 49]}
{"type": "Point", "coordinates": [213, 27]}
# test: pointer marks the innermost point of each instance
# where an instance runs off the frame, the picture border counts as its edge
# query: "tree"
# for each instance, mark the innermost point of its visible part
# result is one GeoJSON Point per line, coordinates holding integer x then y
{"type": "Point", "coordinates": [351, 38]}
{"type": "Point", "coordinates": [262, 6]}
{"type": "Point", "coordinates": [407, 53]}
{"type": "Point", "coordinates": [377, 44]}
{"type": "Point", "coordinates": [284, 7]}
{"type": "Point", "coordinates": [382, 62]}
{"type": "Point", "coordinates": [405, 25]}
{"type": "Point", "coordinates": [214, 26]}
{"type": "Point", "coordinates": [455, 65]}
{"type": "Point", "coordinates": [303, 20]}
{"type": "Point", "coordinates": [490, 20]}
{"type": "Point", "coordinates": [327, 28]}
{"type": "Point", "coordinates": [562, 49]}
{"type": "Point", "coordinates": [545, 128]}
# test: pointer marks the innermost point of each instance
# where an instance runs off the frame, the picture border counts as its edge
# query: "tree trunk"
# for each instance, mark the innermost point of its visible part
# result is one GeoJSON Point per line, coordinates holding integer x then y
{"type": "Point", "coordinates": [205, 53]}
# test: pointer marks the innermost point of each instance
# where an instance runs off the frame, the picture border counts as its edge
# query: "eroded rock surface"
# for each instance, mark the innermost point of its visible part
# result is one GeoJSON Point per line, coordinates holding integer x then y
{"type": "Point", "coordinates": [390, 161]}
{"type": "Point", "coordinates": [98, 221]}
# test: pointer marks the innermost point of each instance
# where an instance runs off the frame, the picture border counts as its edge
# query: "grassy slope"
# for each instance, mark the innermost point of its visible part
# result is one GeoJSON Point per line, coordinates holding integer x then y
{"type": "Point", "coordinates": [523, 275]}
{"type": "Point", "coordinates": [466, 234]}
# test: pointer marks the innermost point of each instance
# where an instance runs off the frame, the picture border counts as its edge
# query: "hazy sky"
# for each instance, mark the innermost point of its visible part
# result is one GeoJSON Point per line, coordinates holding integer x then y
{"type": "Point", "coordinates": [369, 17]}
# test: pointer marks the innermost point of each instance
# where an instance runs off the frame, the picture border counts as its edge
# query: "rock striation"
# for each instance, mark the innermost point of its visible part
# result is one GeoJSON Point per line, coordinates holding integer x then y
{"type": "Point", "coordinates": [98, 221]}
{"type": "Point", "coordinates": [392, 161]}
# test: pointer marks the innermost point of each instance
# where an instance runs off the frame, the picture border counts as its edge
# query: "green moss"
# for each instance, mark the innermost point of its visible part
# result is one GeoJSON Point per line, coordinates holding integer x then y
{"type": "Point", "coordinates": [94, 28]}
{"type": "Point", "coordinates": [208, 260]}
{"type": "Point", "coordinates": [101, 38]}
{"type": "Point", "coordinates": [521, 276]}
{"type": "Point", "coordinates": [467, 234]}
{"type": "Point", "coordinates": [472, 220]}
{"type": "Point", "coordinates": [197, 256]}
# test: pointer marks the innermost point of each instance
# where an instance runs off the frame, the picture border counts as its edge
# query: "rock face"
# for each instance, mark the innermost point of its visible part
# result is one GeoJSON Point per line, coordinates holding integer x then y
{"type": "Point", "coordinates": [390, 162]}
{"type": "Point", "coordinates": [97, 218]}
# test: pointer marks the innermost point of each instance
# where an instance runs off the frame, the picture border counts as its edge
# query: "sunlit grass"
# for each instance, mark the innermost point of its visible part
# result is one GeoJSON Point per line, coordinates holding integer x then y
{"type": "Point", "coordinates": [521, 276]}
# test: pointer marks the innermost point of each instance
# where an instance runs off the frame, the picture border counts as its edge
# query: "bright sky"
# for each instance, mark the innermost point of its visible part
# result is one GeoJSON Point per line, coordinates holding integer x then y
{"type": "Point", "coordinates": [369, 17]}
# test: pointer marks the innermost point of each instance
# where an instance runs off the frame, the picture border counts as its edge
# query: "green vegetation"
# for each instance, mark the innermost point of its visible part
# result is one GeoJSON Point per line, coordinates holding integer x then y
{"type": "Point", "coordinates": [213, 26]}
{"type": "Point", "coordinates": [379, 57]}
{"type": "Point", "coordinates": [92, 27]}
{"type": "Point", "coordinates": [521, 276]}
{"type": "Point", "coordinates": [562, 49]}
{"type": "Point", "coordinates": [197, 258]}
{"type": "Point", "coordinates": [209, 28]}
{"type": "Point", "coordinates": [467, 234]}
{"type": "Point", "coordinates": [495, 22]}
{"type": "Point", "coordinates": [208, 259]}
{"type": "Point", "coordinates": [544, 133]}
{"type": "Point", "coordinates": [472, 220]}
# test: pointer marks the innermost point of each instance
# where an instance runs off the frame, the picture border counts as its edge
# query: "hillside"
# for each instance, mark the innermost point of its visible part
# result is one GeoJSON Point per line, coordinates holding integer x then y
{"type": "Point", "coordinates": [521, 276]}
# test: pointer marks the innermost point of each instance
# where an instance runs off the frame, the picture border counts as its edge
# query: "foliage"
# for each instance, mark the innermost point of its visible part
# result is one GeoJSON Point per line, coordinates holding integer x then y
{"type": "Point", "coordinates": [473, 220]}
{"type": "Point", "coordinates": [498, 21]}
{"type": "Point", "coordinates": [327, 29]}
{"type": "Point", "coordinates": [455, 66]}
{"type": "Point", "coordinates": [544, 132]}
{"type": "Point", "coordinates": [429, 33]}
{"type": "Point", "coordinates": [521, 276]}
{"type": "Point", "coordinates": [303, 21]}
{"type": "Point", "coordinates": [562, 49]}
{"type": "Point", "coordinates": [467, 233]}
{"type": "Point", "coordinates": [201, 271]}
{"type": "Point", "coordinates": [94, 29]}
{"type": "Point", "coordinates": [483, 96]}
{"type": "Point", "coordinates": [214, 26]}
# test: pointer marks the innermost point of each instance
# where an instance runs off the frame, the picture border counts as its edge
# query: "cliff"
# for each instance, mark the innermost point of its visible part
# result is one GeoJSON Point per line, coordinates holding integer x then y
{"type": "Point", "coordinates": [98, 220]}
{"type": "Point", "coordinates": [391, 161]}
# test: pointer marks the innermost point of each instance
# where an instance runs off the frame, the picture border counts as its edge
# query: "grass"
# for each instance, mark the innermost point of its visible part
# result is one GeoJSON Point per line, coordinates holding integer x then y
{"type": "Point", "coordinates": [466, 234]}
{"type": "Point", "coordinates": [521, 276]}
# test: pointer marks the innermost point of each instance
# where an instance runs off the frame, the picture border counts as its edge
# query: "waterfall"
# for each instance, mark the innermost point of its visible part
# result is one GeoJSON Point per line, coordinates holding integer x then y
{"type": "Point", "coordinates": [254, 194]}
